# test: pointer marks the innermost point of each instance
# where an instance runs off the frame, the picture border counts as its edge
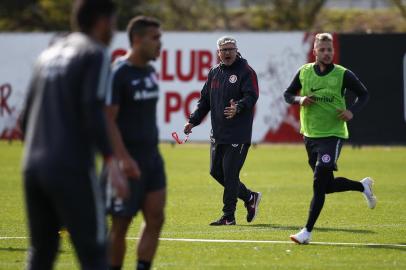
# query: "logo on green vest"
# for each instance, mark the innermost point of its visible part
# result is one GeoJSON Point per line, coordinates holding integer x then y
{"type": "Point", "coordinates": [323, 99]}
{"type": "Point", "coordinates": [315, 89]}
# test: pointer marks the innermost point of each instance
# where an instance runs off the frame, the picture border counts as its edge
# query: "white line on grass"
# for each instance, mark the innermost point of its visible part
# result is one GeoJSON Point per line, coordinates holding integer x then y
{"type": "Point", "coordinates": [275, 242]}
{"type": "Point", "coordinates": [252, 241]}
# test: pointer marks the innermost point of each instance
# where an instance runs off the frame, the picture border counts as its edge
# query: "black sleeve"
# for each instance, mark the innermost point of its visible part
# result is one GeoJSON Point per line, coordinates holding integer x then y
{"type": "Point", "coordinates": [95, 85]}
{"type": "Point", "coordinates": [352, 83]}
{"type": "Point", "coordinates": [249, 89]}
{"type": "Point", "coordinates": [28, 101]}
{"type": "Point", "coordinates": [291, 92]}
{"type": "Point", "coordinates": [203, 105]}
{"type": "Point", "coordinates": [23, 119]}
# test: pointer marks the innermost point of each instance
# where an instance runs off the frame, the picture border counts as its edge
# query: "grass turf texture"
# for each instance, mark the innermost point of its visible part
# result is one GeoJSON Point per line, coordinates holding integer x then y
{"type": "Point", "coordinates": [281, 173]}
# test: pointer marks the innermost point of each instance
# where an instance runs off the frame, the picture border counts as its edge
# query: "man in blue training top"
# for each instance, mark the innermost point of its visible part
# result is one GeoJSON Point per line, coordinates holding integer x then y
{"type": "Point", "coordinates": [131, 112]}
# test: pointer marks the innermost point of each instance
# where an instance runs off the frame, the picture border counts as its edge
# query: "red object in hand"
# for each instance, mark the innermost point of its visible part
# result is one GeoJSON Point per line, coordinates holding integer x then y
{"type": "Point", "coordinates": [176, 138]}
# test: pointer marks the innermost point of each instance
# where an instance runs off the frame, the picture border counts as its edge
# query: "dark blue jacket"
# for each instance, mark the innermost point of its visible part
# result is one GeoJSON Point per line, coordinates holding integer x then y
{"type": "Point", "coordinates": [238, 82]}
{"type": "Point", "coordinates": [63, 118]}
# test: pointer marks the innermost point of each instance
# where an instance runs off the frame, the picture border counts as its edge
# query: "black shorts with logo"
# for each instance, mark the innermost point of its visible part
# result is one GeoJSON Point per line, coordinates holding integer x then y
{"type": "Point", "coordinates": [153, 178]}
{"type": "Point", "coordinates": [323, 152]}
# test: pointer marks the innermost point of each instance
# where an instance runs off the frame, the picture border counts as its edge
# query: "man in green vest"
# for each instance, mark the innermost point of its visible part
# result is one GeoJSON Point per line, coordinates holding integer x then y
{"type": "Point", "coordinates": [319, 88]}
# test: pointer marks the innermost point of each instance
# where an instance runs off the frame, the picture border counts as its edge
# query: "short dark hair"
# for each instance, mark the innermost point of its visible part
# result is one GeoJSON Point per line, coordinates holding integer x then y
{"type": "Point", "coordinates": [85, 13]}
{"type": "Point", "coordinates": [139, 24]}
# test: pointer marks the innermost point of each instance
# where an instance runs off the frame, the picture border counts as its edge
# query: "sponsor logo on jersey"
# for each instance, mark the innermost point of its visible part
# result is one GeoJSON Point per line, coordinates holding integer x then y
{"type": "Point", "coordinates": [144, 94]}
{"type": "Point", "coordinates": [145, 88]}
{"type": "Point", "coordinates": [315, 89]}
{"type": "Point", "coordinates": [234, 145]}
{"type": "Point", "coordinates": [323, 99]}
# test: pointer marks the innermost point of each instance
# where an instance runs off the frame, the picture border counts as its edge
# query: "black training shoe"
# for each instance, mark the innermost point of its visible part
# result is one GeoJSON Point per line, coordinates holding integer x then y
{"type": "Point", "coordinates": [224, 221]}
{"type": "Point", "coordinates": [252, 206]}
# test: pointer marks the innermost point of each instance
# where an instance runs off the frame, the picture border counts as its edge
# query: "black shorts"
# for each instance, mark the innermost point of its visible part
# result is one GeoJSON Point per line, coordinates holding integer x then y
{"type": "Point", "coordinates": [153, 178]}
{"type": "Point", "coordinates": [62, 198]}
{"type": "Point", "coordinates": [323, 152]}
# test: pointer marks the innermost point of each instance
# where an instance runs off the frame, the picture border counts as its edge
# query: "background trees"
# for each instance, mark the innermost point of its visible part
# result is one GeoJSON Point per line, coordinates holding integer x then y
{"type": "Point", "coordinates": [210, 15]}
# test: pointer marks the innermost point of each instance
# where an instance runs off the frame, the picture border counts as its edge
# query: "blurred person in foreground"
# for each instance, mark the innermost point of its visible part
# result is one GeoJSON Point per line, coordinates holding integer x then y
{"type": "Point", "coordinates": [131, 113]}
{"type": "Point", "coordinates": [230, 93]}
{"type": "Point", "coordinates": [64, 123]}
{"type": "Point", "coordinates": [322, 86]}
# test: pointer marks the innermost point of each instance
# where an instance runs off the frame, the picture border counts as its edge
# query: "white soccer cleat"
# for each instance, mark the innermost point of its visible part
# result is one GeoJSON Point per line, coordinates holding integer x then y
{"type": "Point", "coordinates": [367, 182]}
{"type": "Point", "coordinates": [302, 237]}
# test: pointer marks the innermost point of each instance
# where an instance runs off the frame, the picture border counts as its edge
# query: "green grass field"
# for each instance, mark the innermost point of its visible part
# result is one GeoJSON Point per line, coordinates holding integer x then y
{"type": "Point", "coordinates": [281, 173]}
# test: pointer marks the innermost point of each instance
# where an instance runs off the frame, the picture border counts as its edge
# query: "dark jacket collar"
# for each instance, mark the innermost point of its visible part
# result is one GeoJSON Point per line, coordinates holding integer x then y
{"type": "Point", "coordinates": [238, 62]}
{"type": "Point", "coordinates": [328, 69]}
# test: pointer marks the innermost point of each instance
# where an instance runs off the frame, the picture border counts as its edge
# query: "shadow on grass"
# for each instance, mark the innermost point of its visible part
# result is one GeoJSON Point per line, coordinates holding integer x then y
{"type": "Point", "coordinates": [392, 246]}
{"type": "Point", "coordinates": [294, 228]}
{"type": "Point", "coordinates": [11, 249]}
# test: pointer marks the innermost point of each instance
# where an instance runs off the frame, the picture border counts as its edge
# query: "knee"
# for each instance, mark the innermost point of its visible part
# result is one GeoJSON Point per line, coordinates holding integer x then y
{"type": "Point", "coordinates": [155, 221]}
{"type": "Point", "coordinates": [312, 164]}
{"type": "Point", "coordinates": [322, 175]}
{"type": "Point", "coordinates": [322, 172]}
{"type": "Point", "coordinates": [119, 228]}
{"type": "Point", "coordinates": [217, 176]}
{"type": "Point", "coordinates": [330, 187]}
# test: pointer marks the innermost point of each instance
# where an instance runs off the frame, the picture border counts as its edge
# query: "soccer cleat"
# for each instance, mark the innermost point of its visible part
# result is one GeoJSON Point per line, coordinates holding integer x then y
{"type": "Point", "coordinates": [224, 221]}
{"type": "Point", "coordinates": [367, 182]}
{"type": "Point", "coordinates": [302, 237]}
{"type": "Point", "coordinates": [252, 206]}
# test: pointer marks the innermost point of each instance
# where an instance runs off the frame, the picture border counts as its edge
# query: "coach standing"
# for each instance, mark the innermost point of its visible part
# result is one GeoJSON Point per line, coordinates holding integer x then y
{"type": "Point", "coordinates": [230, 93]}
{"type": "Point", "coordinates": [63, 123]}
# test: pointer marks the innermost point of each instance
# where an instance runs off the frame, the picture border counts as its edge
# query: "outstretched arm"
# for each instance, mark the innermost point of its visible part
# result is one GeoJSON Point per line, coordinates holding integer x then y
{"type": "Point", "coordinates": [202, 108]}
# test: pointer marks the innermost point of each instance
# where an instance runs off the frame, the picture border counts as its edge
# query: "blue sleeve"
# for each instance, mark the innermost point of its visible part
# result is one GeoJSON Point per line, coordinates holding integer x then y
{"type": "Point", "coordinates": [352, 83]}
{"type": "Point", "coordinates": [291, 92]}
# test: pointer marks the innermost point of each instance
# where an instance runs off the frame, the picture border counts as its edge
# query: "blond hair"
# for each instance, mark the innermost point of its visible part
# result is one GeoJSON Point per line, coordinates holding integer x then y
{"type": "Point", "coordinates": [322, 37]}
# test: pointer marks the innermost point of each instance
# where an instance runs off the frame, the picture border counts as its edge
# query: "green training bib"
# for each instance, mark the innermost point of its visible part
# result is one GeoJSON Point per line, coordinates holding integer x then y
{"type": "Point", "coordinates": [321, 118]}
